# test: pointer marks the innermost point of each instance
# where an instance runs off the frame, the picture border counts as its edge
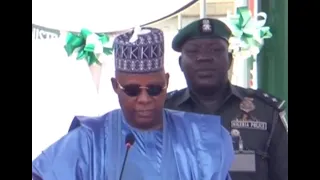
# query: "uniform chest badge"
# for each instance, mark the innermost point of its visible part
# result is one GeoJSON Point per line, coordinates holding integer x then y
{"type": "Point", "coordinates": [247, 105]}
{"type": "Point", "coordinates": [246, 120]}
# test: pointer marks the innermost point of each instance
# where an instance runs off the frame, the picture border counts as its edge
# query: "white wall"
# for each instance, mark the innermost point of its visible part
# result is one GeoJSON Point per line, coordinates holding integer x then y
{"type": "Point", "coordinates": [171, 24]}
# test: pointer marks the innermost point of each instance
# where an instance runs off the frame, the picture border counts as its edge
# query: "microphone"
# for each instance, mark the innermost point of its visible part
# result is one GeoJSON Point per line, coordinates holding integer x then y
{"type": "Point", "coordinates": [237, 140]}
{"type": "Point", "coordinates": [129, 142]}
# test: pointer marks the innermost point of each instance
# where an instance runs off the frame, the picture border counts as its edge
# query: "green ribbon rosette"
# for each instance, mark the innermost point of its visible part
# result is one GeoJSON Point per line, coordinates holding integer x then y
{"type": "Point", "coordinates": [248, 32]}
{"type": "Point", "coordinates": [88, 45]}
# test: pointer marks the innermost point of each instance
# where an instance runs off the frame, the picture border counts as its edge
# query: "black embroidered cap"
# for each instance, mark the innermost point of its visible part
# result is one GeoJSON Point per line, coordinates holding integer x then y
{"type": "Point", "coordinates": [139, 51]}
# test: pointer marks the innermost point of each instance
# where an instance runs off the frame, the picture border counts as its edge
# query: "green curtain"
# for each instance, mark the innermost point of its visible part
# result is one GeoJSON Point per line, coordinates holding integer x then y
{"type": "Point", "coordinates": [273, 59]}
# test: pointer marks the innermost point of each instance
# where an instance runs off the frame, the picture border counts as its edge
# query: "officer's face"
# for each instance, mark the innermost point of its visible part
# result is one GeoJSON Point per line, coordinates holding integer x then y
{"type": "Point", "coordinates": [205, 62]}
{"type": "Point", "coordinates": [141, 97]}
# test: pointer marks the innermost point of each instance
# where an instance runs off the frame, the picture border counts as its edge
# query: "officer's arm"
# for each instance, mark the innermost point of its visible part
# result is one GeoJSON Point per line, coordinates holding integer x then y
{"type": "Point", "coordinates": [278, 151]}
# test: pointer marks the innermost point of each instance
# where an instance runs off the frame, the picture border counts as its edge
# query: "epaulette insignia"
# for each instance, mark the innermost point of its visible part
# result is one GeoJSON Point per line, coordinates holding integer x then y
{"type": "Point", "coordinates": [271, 100]}
{"type": "Point", "coordinates": [284, 120]}
{"type": "Point", "coordinates": [170, 94]}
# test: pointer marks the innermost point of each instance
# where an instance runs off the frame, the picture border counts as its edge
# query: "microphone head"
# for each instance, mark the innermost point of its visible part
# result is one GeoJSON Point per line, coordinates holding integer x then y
{"type": "Point", "coordinates": [235, 133]}
{"type": "Point", "coordinates": [130, 139]}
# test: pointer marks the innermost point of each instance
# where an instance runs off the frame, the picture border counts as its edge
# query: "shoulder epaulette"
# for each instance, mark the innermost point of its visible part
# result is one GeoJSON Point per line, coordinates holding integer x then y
{"type": "Point", "coordinates": [171, 94]}
{"type": "Point", "coordinates": [269, 99]}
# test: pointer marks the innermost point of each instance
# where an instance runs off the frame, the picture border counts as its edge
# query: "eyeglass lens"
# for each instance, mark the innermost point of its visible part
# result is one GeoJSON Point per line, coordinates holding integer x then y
{"type": "Point", "coordinates": [135, 89]}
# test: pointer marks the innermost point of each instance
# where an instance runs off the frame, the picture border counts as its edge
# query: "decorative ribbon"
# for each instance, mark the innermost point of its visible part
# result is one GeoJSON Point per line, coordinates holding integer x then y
{"type": "Point", "coordinates": [250, 31]}
{"type": "Point", "coordinates": [88, 45]}
{"type": "Point", "coordinates": [136, 32]}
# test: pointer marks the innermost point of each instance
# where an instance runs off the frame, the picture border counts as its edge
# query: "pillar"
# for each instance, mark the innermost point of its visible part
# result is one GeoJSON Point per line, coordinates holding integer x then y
{"type": "Point", "coordinates": [273, 59]}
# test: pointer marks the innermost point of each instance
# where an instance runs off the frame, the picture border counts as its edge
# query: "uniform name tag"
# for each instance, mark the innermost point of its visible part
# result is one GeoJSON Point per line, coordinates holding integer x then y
{"type": "Point", "coordinates": [245, 161]}
{"type": "Point", "coordinates": [238, 124]}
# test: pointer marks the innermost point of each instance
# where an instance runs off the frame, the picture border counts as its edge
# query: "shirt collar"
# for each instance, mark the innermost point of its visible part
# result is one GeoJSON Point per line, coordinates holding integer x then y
{"type": "Point", "coordinates": [233, 89]}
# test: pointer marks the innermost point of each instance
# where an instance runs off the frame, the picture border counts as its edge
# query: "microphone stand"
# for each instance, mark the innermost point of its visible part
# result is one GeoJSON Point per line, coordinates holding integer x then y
{"type": "Point", "coordinates": [125, 160]}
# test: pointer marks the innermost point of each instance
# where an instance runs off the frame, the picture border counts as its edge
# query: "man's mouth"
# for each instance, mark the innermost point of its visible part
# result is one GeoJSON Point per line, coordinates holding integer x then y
{"type": "Point", "coordinates": [145, 113]}
{"type": "Point", "coordinates": [205, 73]}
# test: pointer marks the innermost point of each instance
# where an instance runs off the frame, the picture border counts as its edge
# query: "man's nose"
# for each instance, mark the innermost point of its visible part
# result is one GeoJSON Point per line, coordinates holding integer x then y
{"type": "Point", "coordinates": [144, 97]}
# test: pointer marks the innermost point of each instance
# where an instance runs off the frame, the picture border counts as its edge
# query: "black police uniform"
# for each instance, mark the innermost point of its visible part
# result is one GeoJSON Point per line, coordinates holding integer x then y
{"type": "Point", "coordinates": [257, 117]}
{"type": "Point", "coordinates": [270, 145]}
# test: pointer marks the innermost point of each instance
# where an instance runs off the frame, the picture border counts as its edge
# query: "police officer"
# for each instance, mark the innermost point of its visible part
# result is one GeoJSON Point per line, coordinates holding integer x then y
{"type": "Point", "coordinates": [255, 119]}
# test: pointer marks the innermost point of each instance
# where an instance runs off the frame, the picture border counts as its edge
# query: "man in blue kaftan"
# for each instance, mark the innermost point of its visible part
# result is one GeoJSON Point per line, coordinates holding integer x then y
{"type": "Point", "coordinates": [169, 145]}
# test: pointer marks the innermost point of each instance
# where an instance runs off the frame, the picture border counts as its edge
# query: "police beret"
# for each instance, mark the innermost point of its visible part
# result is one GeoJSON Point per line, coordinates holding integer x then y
{"type": "Point", "coordinates": [203, 28]}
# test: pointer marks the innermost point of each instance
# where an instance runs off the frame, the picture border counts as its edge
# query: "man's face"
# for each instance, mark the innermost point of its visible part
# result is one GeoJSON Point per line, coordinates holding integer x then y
{"type": "Point", "coordinates": [205, 62]}
{"type": "Point", "coordinates": [141, 97]}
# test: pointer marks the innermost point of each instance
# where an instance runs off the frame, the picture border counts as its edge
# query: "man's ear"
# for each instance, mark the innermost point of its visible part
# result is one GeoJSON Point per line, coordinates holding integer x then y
{"type": "Point", "coordinates": [115, 85]}
{"type": "Point", "coordinates": [230, 56]}
{"type": "Point", "coordinates": [167, 78]}
{"type": "Point", "coordinates": [180, 59]}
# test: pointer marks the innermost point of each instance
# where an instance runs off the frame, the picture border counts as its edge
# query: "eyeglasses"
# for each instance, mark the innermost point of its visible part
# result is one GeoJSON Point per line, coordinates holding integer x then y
{"type": "Point", "coordinates": [133, 90]}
